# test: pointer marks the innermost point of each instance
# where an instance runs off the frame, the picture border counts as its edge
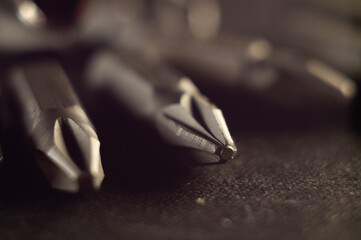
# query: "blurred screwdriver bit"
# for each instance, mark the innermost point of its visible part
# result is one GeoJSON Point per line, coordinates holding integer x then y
{"type": "Point", "coordinates": [230, 61]}
{"type": "Point", "coordinates": [240, 61]}
{"type": "Point", "coordinates": [67, 146]}
{"type": "Point", "coordinates": [23, 29]}
{"type": "Point", "coordinates": [182, 115]}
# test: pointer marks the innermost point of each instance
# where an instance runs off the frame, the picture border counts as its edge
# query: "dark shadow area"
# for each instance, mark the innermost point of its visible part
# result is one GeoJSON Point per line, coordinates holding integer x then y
{"type": "Point", "coordinates": [133, 154]}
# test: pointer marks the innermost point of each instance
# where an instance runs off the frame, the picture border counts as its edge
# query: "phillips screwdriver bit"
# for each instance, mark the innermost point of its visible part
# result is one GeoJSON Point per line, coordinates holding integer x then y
{"type": "Point", "coordinates": [172, 103]}
{"type": "Point", "coordinates": [65, 142]}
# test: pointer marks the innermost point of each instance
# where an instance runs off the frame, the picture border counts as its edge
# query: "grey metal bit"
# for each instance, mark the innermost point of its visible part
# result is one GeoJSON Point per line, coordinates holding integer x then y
{"type": "Point", "coordinates": [240, 61]}
{"type": "Point", "coordinates": [172, 103]}
{"type": "Point", "coordinates": [67, 146]}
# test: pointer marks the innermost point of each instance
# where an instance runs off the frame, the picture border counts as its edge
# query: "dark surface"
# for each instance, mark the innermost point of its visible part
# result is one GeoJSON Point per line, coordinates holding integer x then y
{"type": "Point", "coordinates": [297, 176]}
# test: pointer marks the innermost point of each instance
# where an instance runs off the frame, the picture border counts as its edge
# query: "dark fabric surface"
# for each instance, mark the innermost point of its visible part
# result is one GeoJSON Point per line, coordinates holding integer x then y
{"type": "Point", "coordinates": [297, 175]}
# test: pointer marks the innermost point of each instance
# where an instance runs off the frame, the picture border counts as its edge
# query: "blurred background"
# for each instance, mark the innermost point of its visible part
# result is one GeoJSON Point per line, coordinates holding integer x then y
{"type": "Point", "coordinates": [286, 75]}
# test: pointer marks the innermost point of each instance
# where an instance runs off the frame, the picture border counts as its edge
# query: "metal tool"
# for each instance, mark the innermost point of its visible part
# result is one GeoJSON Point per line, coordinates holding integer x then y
{"type": "Point", "coordinates": [238, 61]}
{"type": "Point", "coordinates": [254, 63]}
{"type": "Point", "coordinates": [66, 144]}
{"type": "Point", "coordinates": [22, 29]}
{"type": "Point", "coordinates": [225, 60]}
{"type": "Point", "coordinates": [183, 116]}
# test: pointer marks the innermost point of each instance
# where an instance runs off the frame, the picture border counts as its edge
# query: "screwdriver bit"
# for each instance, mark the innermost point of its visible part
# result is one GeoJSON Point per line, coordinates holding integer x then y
{"type": "Point", "coordinates": [65, 141]}
{"type": "Point", "coordinates": [172, 103]}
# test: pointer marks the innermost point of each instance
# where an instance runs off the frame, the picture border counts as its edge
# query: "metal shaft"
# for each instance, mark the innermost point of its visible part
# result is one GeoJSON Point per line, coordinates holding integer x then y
{"type": "Point", "coordinates": [65, 141]}
{"type": "Point", "coordinates": [171, 102]}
